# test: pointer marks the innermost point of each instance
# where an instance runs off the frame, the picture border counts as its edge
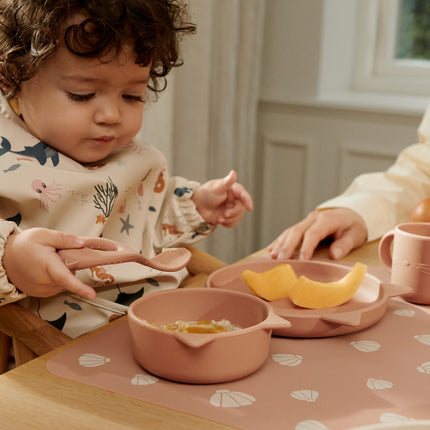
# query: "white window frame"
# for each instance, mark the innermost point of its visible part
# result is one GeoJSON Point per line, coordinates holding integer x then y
{"type": "Point", "coordinates": [375, 67]}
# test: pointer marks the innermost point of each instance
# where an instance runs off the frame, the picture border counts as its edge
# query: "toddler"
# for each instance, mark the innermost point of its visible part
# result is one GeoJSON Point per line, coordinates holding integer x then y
{"type": "Point", "coordinates": [74, 75]}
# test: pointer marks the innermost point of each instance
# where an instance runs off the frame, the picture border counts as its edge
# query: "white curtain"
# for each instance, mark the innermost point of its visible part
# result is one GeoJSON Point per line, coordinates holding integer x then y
{"type": "Point", "coordinates": [206, 120]}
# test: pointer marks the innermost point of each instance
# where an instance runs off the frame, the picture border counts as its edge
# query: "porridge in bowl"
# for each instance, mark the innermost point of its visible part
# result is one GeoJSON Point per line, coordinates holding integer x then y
{"type": "Point", "coordinates": [201, 326]}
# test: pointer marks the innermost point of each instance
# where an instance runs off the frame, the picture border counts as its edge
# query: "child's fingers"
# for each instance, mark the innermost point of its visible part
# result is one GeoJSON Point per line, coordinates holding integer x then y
{"type": "Point", "coordinates": [232, 215]}
{"type": "Point", "coordinates": [60, 240]}
{"type": "Point", "coordinates": [63, 278]}
{"type": "Point", "coordinates": [224, 185]}
{"type": "Point", "coordinates": [230, 222]}
{"type": "Point", "coordinates": [73, 284]}
{"type": "Point", "coordinates": [237, 191]}
{"type": "Point", "coordinates": [234, 209]}
{"type": "Point", "coordinates": [230, 179]}
{"type": "Point", "coordinates": [243, 196]}
{"type": "Point", "coordinates": [81, 289]}
{"type": "Point", "coordinates": [230, 201]}
{"type": "Point", "coordinates": [247, 201]}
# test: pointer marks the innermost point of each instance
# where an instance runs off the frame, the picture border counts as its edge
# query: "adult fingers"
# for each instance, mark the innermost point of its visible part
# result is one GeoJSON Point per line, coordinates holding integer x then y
{"type": "Point", "coordinates": [345, 241]}
{"type": "Point", "coordinates": [341, 223]}
{"type": "Point", "coordinates": [290, 239]}
{"type": "Point", "coordinates": [324, 226]}
{"type": "Point", "coordinates": [341, 247]}
{"type": "Point", "coordinates": [345, 226]}
{"type": "Point", "coordinates": [286, 244]}
{"type": "Point", "coordinates": [283, 246]}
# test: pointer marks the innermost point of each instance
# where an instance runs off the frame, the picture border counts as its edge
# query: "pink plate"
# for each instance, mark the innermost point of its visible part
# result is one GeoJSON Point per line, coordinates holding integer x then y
{"type": "Point", "coordinates": [364, 309]}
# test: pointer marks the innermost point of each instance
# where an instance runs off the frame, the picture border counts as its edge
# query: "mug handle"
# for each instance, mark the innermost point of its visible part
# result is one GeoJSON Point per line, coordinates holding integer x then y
{"type": "Point", "coordinates": [384, 249]}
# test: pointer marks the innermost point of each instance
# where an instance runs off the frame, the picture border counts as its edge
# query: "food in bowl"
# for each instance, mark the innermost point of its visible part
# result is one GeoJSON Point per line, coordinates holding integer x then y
{"type": "Point", "coordinates": [305, 292]}
{"type": "Point", "coordinates": [202, 326]}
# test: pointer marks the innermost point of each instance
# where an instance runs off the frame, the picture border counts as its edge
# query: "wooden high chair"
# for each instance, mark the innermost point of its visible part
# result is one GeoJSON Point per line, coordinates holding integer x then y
{"type": "Point", "coordinates": [31, 336]}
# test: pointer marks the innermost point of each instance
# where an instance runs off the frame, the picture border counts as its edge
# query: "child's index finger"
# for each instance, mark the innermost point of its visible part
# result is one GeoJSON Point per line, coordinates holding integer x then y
{"type": "Point", "coordinates": [247, 201]}
{"type": "Point", "coordinates": [230, 179]}
{"type": "Point", "coordinates": [244, 197]}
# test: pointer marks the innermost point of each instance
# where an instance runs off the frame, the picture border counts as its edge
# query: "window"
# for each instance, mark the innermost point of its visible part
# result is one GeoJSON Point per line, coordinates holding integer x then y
{"type": "Point", "coordinates": [413, 30]}
{"type": "Point", "coordinates": [393, 51]}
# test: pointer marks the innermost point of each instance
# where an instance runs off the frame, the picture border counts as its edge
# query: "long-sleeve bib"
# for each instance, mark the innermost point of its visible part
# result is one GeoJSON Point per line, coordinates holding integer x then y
{"type": "Point", "coordinates": [128, 197]}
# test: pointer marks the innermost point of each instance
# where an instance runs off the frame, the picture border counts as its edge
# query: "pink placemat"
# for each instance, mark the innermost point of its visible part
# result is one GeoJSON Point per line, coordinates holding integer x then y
{"type": "Point", "coordinates": [381, 374]}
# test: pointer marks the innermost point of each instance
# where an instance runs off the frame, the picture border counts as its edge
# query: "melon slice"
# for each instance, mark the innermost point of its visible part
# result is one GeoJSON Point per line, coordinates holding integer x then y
{"type": "Point", "coordinates": [273, 284]}
{"type": "Point", "coordinates": [318, 295]}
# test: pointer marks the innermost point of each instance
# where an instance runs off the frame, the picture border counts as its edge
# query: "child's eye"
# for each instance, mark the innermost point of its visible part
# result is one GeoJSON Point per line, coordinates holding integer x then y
{"type": "Point", "coordinates": [134, 98]}
{"type": "Point", "coordinates": [80, 97]}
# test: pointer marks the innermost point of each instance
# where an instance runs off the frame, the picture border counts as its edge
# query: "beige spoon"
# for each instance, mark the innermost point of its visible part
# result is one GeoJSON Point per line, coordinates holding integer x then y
{"type": "Point", "coordinates": [99, 251]}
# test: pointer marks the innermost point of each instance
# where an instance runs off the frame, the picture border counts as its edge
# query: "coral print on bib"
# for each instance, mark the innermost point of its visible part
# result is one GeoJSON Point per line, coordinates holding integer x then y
{"type": "Point", "coordinates": [104, 199]}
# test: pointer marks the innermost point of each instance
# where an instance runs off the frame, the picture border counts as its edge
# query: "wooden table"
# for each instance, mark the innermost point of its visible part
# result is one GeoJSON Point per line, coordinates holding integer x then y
{"type": "Point", "coordinates": [33, 398]}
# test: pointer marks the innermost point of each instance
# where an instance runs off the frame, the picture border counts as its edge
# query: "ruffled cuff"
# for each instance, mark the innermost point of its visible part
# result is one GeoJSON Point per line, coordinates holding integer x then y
{"type": "Point", "coordinates": [188, 209]}
{"type": "Point", "coordinates": [8, 292]}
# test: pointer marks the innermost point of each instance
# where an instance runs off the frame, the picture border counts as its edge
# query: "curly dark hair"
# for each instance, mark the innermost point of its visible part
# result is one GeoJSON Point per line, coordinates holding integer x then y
{"type": "Point", "coordinates": [31, 31]}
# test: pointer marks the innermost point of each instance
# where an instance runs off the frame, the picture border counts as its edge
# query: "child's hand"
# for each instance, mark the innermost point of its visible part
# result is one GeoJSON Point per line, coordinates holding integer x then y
{"type": "Point", "coordinates": [345, 226]}
{"type": "Point", "coordinates": [222, 201]}
{"type": "Point", "coordinates": [34, 267]}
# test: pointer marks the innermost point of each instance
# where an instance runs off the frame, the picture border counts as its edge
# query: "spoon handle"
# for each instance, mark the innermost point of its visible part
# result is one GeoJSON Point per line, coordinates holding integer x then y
{"type": "Point", "coordinates": [82, 258]}
{"type": "Point", "coordinates": [98, 252]}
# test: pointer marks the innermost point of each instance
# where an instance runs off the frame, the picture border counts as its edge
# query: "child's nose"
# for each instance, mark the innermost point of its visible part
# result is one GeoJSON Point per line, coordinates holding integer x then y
{"type": "Point", "coordinates": [108, 112]}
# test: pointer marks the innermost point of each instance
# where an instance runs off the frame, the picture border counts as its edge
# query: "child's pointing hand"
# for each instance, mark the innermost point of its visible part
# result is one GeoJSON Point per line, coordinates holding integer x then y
{"type": "Point", "coordinates": [222, 201]}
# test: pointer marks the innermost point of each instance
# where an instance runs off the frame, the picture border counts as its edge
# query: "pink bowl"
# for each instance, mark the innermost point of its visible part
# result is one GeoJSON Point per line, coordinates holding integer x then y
{"type": "Point", "coordinates": [202, 358]}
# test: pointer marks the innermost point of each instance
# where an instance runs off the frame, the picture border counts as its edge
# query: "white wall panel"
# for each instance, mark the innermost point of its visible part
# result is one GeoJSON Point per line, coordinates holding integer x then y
{"type": "Point", "coordinates": [358, 158]}
{"type": "Point", "coordinates": [286, 181]}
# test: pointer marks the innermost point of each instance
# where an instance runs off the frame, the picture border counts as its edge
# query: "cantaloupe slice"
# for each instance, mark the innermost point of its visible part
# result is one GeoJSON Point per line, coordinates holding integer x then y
{"type": "Point", "coordinates": [318, 295]}
{"type": "Point", "coordinates": [273, 284]}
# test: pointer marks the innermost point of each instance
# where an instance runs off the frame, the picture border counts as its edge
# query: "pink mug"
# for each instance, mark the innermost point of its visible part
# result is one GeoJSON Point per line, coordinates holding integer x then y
{"type": "Point", "coordinates": [409, 258]}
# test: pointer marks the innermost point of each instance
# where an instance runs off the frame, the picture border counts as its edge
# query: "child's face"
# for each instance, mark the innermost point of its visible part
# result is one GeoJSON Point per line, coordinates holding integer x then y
{"type": "Point", "coordinates": [83, 108]}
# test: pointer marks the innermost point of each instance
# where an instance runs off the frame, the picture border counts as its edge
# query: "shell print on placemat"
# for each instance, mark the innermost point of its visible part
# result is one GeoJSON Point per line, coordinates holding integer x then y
{"type": "Point", "coordinates": [93, 360]}
{"type": "Point", "coordinates": [287, 359]}
{"type": "Point", "coordinates": [144, 379]}
{"type": "Point", "coordinates": [310, 425]}
{"type": "Point", "coordinates": [408, 313]}
{"type": "Point", "coordinates": [231, 399]}
{"type": "Point", "coordinates": [423, 338]}
{"type": "Point", "coordinates": [424, 368]}
{"type": "Point", "coordinates": [366, 345]}
{"type": "Point", "coordinates": [379, 384]}
{"type": "Point", "coordinates": [393, 418]}
{"type": "Point", "coordinates": [305, 395]}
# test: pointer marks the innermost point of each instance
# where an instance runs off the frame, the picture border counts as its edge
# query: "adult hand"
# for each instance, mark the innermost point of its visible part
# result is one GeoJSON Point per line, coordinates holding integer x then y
{"type": "Point", "coordinates": [344, 225]}
{"type": "Point", "coordinates": [34, 267]}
